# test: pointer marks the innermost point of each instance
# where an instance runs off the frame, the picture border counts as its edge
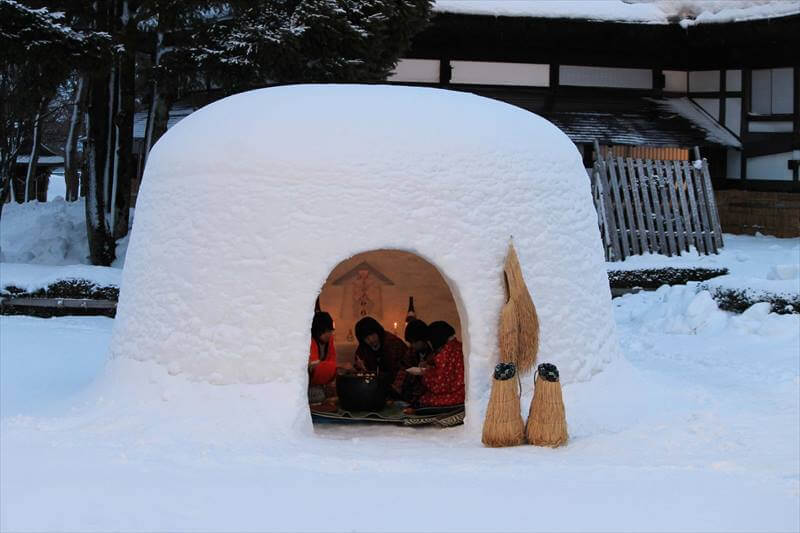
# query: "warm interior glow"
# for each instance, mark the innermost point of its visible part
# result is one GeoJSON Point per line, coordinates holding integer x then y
{"type": "Point", "coordinates": [393, 276]}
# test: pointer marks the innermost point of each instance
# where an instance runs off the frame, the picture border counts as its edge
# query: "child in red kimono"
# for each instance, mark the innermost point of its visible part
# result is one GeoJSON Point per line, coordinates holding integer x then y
{"type": "Point", "coordinates": [443, 377]}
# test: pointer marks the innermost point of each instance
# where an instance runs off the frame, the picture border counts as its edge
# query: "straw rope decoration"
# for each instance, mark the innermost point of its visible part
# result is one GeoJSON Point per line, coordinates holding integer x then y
{"type": "Point", "coordinates": [547, 421]}
{"type": "Point", "coordinates": [503, 425]}
{"type": "Point", "coordinates": [519, 324]}
{"type": "Point", "coordinates": [518, 340]}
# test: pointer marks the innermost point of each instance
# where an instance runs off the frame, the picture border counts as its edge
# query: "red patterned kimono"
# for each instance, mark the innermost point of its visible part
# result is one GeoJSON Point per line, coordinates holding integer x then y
{"type": "Point", "coordinates": [326, 370]}
{"type": "Point", "coordinates": [444, 379]}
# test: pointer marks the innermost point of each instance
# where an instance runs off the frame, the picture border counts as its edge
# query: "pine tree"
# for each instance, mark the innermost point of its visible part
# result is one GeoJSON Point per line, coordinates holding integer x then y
{"type": "Point", "coordinates": [308, 41]}
{"type": "Point", "coordinates": [37, 51]}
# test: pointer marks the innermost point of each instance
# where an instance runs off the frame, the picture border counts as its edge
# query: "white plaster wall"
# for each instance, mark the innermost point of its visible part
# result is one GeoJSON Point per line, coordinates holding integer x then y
{"type": "Point", "coordinates": [733, 114]}
{"type": "Point", "coordinates": [416, 70]}
{"type": "Point", "coordinates": [631, 78]}
{"type": "Point", "coordinates": [769, 167]}
{"type": "Point", "coordinates": [733, 80]}
{"type": "Point", "coordinates": [499, 73]}
{"type": "Point", "coordinates": [703, 81]}
{"type": "Point", "coordinates": [676, 80]}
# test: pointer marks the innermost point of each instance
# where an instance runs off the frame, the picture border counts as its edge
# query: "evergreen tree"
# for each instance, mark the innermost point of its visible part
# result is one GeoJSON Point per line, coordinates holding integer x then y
{"type": "Point", "coordinates": [308, 41]}
{"type": "Point", "coordinates": [37, 51]}
{"type": "Point", "coordinates": [231, 45]}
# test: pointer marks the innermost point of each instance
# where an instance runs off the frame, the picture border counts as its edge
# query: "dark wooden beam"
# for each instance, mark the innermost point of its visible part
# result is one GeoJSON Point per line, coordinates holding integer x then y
{"type": "Point", "coordinates": [752, 44]}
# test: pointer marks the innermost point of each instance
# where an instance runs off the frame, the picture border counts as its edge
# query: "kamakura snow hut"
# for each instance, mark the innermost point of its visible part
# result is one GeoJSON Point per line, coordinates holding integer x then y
{"type": "Point", "coordinates": [280, 185]}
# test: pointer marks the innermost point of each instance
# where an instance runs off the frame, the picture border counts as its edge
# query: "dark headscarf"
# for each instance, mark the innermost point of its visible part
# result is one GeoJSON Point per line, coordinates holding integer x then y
{"type": "Point", "coordinates": [366, 327]}
{"type": "Point", "coordinates": [416, 330]}
{"type": "Point", "coordinates": [321, 323]}
{"type": "Point", "coordinates": [438, 334]}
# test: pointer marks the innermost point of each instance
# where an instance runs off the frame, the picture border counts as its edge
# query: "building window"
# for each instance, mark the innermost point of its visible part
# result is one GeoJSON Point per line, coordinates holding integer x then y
{"type": "Point", "coordinates": [772, 91]}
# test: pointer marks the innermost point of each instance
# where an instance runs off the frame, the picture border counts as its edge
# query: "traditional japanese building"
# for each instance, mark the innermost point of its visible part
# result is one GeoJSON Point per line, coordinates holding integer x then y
{"type": "Point", "coordinates": [642, 86]}
{"type": "Point", "coordinates": [647, 80]}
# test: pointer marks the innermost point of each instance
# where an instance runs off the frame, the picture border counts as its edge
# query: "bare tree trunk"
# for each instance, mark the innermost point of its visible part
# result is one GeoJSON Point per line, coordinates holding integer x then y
{"type": "Point", "coordinates": [84, 162]}
{"type": "Point", "coordinates": [42, 184]}
{"type": "Point", "coordinates": [71, 163]}
{"type": "Point", "coordinates": [160, 103]}
{"type": "Point", "coordinates": [126, 168]}
{"type": "Point", "coordinates": [30, 176]}
{"type": "Point", "coordinates": [109, 148]}
{"type": "Point", "coordinates": [101, 108]}
{"type": "Point", "coordinates": [6, 178]}
{"type": "Point", "coordinates": [98, 156]}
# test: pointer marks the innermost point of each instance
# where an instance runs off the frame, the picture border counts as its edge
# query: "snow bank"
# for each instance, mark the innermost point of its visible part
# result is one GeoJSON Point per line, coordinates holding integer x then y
{"type": "Point", "coordinates": [756, 263]}
{"type": "Point", "coordinates": [31, 278]}
{"type": "Point", "coordinates": [685, 310]}
{"type": "Point", "coordinates": [685, 12]}
{"type": "Point", "coordinates": [48, 233]}
{"type": "Point", "coordinates": [293, 180]}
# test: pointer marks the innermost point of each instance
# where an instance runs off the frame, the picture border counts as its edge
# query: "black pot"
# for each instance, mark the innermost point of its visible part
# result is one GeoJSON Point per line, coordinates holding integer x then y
{"type": "Point", "coordinates": [360, 392]}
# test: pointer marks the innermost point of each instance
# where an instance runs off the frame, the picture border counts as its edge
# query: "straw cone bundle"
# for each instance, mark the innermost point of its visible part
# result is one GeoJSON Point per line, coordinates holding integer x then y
{"type": "Point", "coordinates": [509, 334]}
{"type": "Point", "coordinates": [547, 421]}
{"type": "Point", "coordinates": [503, 425]}
{"type": "Point", "coordinates": [519, 324]}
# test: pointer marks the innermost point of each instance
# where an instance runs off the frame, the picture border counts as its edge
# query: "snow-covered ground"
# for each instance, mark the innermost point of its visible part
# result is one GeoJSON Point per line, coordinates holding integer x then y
{"type": "Point", "coordinates": [698, 428]}
{"type": "Point", "coordinates": [760, 263]}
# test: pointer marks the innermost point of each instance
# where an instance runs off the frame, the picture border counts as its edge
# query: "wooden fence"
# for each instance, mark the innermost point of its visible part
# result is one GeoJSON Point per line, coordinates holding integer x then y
{"type": "Point", "coordinates": [658, 206]}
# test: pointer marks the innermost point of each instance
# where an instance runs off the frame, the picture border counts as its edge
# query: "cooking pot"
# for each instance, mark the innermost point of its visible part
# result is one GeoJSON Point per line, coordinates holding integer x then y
{"type": "Point", "coordinates": [360, 392]}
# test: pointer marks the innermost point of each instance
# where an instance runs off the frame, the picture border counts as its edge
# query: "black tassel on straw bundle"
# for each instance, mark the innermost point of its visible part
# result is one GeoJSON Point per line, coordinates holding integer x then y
{"type": "Point", "coordinates": [547, 421]}
{"type": "Point", "coordinates": [503, 425]}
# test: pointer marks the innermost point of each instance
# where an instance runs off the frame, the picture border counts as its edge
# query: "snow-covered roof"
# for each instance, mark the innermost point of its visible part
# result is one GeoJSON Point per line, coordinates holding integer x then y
{"type": "Point", "coordinates": [702, 121]}
{"type": "Point", "coordinates": [46, 160]}
{"type": "Point", "coordinates": [48, 157]}
{"type": "Point", "coordinates": [176, 113]}
{"type": "Point", "coordinates": [666, 122]}
{"type": "Point", "coordinates": [684, 12]}
{"type": "Point", "coordinates": [285, 183]}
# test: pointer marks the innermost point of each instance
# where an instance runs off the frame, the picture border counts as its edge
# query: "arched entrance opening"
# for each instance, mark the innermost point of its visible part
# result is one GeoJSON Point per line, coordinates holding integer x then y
{"type": "Point", "coordinates": [415, 373]}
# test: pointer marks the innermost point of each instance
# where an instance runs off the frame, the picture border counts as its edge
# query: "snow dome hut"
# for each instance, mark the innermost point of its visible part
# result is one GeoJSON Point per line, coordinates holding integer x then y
{"type": "Point", "coordinates": [248, 205]}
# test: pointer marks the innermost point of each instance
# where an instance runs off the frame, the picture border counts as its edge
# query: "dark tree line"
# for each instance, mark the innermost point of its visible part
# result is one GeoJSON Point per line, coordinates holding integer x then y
{"type": "Point", "coordinates": [117, 56]}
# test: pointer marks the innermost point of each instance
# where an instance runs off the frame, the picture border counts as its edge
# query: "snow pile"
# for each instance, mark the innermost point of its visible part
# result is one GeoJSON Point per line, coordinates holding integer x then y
{"type": "Point", "coordinates": [47, 233]}
{"type": "Point", "coordinates": [685, 12]}
{"type": "Point", "coordinates": [692, 12]}
{"type": "Point", "coordinates": [225, 293]}
{"type": "Point", "coordinates": [50, 233]}
{"type": "Point", "coordinates": [31, 278]}
{"type": "Point", "coordinates": [685, 310]}
{"type": "Point", "coordinates": [759, 266]}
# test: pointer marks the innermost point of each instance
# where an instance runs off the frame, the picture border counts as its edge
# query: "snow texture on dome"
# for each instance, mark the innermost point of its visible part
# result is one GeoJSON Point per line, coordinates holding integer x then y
{"type": "Point", "coordinates": [248, 204]}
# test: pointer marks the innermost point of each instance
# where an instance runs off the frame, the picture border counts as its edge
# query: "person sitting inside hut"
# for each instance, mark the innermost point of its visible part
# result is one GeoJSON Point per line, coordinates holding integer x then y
{"type": "Point", "coordinates": [381, 352]}
{"type": "Point", "coordinates": [443, 376]}
{"type": "Point", "coordinates": [408, 385]}
{"type": "Point", "coordinates": [322, 364]}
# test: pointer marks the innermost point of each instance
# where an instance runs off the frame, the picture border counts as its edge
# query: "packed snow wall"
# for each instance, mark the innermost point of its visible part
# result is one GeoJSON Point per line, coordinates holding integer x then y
{"type": "Point", "coordinates": [248, 204]}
